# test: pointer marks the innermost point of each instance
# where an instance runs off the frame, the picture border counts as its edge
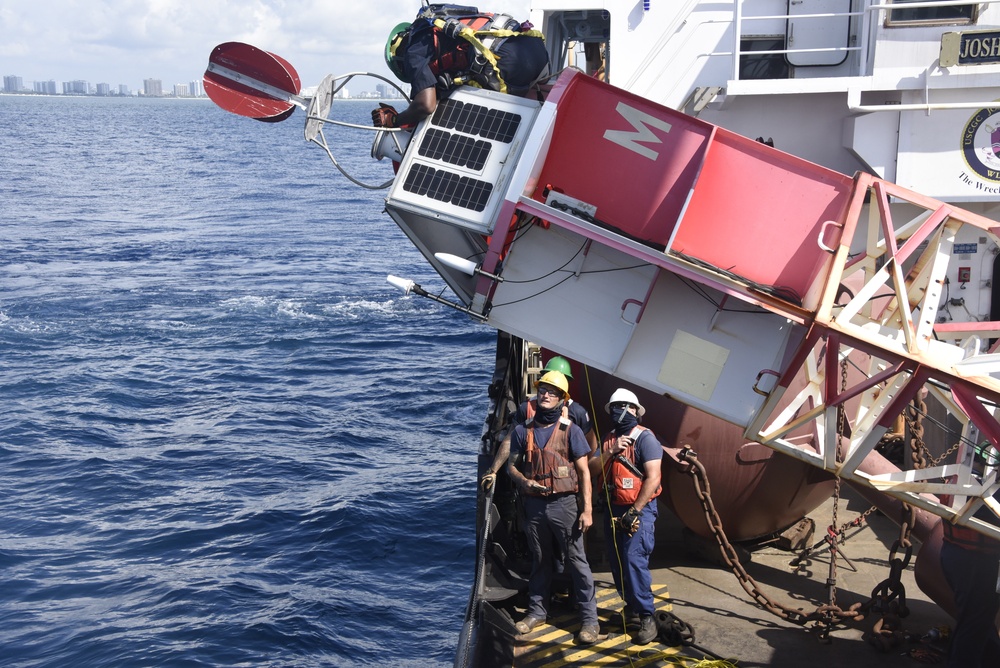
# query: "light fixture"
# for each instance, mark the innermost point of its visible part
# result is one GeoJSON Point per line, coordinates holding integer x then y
{"type": "Point", "coordinates": [403, 284]}
{"type": "Point", "coordinates": [408, 286]}
{"type": "Point", "coordinates": [465, 266]}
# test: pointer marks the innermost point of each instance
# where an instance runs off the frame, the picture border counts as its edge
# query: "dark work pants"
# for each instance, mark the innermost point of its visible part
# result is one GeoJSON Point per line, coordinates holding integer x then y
{"type": "Point", "coordinates": [972, 577]}
{"type": "Point", "coordinates": [554, 522]}
{"type": "Point", "coordinates": [629, 559]}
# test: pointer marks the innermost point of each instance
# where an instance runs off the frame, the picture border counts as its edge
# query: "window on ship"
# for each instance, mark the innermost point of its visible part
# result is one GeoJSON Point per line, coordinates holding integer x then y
{"type": "Point", "coordinates": [950, 15]}
{"type": "Point", "coordinates": [580, 39]}
{"type": "Point", "coordinates": [763, 65]}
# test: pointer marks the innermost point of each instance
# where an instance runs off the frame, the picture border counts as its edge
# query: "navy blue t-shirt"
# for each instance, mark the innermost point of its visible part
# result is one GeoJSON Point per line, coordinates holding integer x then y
{"type": "Point", "coordinates": [647, 449]}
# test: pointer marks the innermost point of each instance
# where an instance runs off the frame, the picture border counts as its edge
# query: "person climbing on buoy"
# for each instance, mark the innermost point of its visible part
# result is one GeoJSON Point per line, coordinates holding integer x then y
{"type": "Point", "coordinates": [447, 46]}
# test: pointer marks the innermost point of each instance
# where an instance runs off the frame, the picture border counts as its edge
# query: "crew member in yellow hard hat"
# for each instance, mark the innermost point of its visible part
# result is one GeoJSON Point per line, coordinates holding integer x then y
{"type": "Point", "coordinates": [628, 470]}
{"type": "Point", "coordinates": [446, 46]}
{"type": "Point", "coordinates": [548, 463]}
{"type": "Point", "coordinates": [573, 410]}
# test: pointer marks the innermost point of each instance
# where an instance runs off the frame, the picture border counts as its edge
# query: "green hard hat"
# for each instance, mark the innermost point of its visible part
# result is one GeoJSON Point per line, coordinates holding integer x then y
{"type": "Point", "coordinates": [391, 45]}
{"type": "Point", "coordinates": [560, 364]}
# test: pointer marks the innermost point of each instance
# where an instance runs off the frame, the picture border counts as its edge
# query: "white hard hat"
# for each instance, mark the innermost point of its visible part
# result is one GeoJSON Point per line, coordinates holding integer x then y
{"type": "Point", "coordinates": [621, 395]}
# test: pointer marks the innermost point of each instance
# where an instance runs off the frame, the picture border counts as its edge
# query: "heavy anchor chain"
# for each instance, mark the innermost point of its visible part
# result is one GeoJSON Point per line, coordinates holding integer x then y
{"type": "Point", "coordinates": [794, 615]}
{"type": "Point", "coordinates": [888, 597]}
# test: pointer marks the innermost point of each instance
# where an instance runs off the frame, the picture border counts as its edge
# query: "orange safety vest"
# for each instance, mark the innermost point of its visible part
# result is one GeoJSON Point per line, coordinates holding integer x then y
{"type": "Point", "coordinates": [619, 480]}
{"type": "Point", "coordinates": [970, 539]}
{"type": "Point", "coordinates": [550, 466]}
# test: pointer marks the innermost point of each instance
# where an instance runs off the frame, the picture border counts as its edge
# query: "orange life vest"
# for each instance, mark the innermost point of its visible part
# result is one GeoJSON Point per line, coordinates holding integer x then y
{"type": "Point", "coordinates": [970, 539]}
{"type": "Point", "coordinates": [550, 466]}
{"type": "Point", "coordinates": [621, 482]}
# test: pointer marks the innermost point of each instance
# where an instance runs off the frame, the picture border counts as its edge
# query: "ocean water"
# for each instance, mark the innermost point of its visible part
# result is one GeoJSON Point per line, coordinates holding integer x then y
{"type": "Point", "coordinates": [225, 439]}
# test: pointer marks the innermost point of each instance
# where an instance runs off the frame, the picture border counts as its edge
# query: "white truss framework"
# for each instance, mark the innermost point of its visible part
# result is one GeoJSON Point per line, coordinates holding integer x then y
{"type": "Point", "coordinates": [891, 317]}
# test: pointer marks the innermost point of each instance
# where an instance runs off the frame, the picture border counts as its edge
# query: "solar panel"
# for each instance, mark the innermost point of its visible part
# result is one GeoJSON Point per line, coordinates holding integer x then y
{"type": "Point", "coordinates": [448, 187]}
{"type": "Point", "coordinates": [476, 119]}
{"type": "Point", "coordinates": [455, 149]}
{"type": "Point", "coordinates": [457, 157]}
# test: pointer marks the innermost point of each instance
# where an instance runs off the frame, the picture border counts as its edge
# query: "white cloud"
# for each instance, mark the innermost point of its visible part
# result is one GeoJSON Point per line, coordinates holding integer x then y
{"type": "Point", "coordinates": [126, 41]}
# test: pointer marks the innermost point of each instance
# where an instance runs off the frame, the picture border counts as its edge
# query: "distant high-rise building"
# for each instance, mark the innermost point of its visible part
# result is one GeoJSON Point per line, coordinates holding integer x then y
{"type": "Point", "coordinates": [195, 88]}
{"type": "Point", "coordinates": [104, 89]}
{"type": "Point", "coordinates": [77, 87]}
{"type": "Point", "coordinates": [152, 87]}
{"type": "Point", "coordinates": [181, 90]}
{"type": "Point", "coordinates": [124, 90]}
{"type": "Point", "coordinates": [46, 87]}
{"type": "Point", "coordinates": [13, 84]}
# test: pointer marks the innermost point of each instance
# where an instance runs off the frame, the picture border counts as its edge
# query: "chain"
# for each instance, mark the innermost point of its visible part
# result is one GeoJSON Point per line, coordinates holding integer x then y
{"type": "Point", "coordinates": [823, 614]}
{"type": "Point", "coordinates": [838, 536]}
{"type": "Point", "coordinates": [922, 457]}
{"type": "Point", "coordinates": [914, 420]}
{"type": "Point", "coordinates": [831, 580]}
{"type": "Point", "coordinates": [889, 596]}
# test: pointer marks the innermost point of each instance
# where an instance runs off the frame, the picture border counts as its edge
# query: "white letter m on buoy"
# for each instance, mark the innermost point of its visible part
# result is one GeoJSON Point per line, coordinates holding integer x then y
{"type": "Point", "coordinates": [641, 121]}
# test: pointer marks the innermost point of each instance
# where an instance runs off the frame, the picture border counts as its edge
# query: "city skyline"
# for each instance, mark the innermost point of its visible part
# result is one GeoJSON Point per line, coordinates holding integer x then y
{"type": "Point", "coordinates": [152, 87]}
{"type": "Point", "coordinates": [170, 40]}
{"type": "Point", "coordinates": [12, 84]}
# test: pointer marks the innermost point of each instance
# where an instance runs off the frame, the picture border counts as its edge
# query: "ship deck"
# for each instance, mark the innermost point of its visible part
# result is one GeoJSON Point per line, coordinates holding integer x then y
{"type": "Point", "coordinates": [726, 621]}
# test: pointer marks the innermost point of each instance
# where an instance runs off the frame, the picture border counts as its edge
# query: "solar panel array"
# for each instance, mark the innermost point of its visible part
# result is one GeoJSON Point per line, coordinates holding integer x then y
{"type": "Point", "coordinates": [460, 134]}
{"type": "Point", "coordinates": [459, 160]}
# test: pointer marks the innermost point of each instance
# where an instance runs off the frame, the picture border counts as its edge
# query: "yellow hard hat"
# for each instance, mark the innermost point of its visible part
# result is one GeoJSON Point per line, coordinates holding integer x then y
{"type": "Point", "coordinates": [555, 379]}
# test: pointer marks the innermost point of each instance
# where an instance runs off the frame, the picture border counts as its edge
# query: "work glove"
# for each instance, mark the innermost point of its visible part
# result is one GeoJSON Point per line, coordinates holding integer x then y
{"type": "Point", "coordinates": [384, 116]}
{"type": "Point", "coordinates": [629, 522]}
{"type": "Point", "coordinates": [487, 481]}
{"type": "Point", "coordinates": [453, 28]}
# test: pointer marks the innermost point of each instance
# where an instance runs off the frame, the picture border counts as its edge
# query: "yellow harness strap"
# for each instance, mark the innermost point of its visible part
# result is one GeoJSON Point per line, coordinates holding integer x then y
{"type": "Point", "coordinates": [472, 37]}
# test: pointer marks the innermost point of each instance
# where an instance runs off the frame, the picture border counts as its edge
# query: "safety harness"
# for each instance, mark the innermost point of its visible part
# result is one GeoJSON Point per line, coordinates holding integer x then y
{"type": "Point", "coordinates": [622, 479]}
{"type": "Point", "coordinates": [479, 36]}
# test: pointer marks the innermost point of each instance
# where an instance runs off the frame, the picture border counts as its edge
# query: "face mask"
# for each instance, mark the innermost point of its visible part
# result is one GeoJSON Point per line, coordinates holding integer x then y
{"type": "Point", "coordinates": [624, 420]}
{"type": "Point", "coordinates": [548, 415]}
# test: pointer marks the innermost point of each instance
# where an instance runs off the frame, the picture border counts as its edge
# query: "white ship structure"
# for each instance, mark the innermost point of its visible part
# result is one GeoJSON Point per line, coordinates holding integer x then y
{"type": "Point", "coordinates": [777, 221]}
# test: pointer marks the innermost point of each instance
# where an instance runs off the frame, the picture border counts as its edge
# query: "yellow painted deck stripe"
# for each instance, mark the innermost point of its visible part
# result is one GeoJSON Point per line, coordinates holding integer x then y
{"type": "Point", "coordinates": [552, 644]}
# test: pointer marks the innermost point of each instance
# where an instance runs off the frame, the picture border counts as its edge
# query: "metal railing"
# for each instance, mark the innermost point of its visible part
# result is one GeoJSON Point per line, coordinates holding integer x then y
{"type": "Point", "coordinates": [862, 34]}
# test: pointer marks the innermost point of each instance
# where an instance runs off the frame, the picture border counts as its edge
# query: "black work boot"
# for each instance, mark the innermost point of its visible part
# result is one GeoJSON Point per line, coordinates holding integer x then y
{"type": "Point", "coordinates": [646, 632]}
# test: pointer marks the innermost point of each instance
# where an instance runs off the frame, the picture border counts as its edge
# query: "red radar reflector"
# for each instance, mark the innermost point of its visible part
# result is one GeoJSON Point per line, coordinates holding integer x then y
{"type": "Point", "coordinates": [248, 81]}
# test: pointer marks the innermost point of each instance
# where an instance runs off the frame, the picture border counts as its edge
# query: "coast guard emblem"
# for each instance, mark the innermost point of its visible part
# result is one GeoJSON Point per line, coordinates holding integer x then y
{"type": "Point", "coordinates": [981, 143]}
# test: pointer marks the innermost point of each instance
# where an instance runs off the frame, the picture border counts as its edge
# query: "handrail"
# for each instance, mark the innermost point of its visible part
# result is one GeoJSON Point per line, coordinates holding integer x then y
{"type": "Point", "coordinates": [863, 30]}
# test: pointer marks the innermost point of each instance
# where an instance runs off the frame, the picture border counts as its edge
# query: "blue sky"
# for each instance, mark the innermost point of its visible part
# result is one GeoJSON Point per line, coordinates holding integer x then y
{"type": "Point", "coordinates": [126, 41]}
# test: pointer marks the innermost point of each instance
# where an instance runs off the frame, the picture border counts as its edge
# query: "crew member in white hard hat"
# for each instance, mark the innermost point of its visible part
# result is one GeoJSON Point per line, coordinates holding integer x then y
{"type": "Point", "coordinates": [549, 464]}
{"type": "Point", "coordinates": [628, 469]}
